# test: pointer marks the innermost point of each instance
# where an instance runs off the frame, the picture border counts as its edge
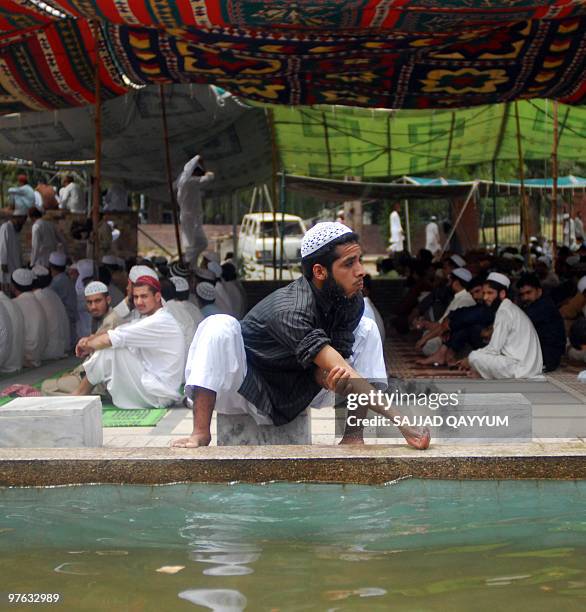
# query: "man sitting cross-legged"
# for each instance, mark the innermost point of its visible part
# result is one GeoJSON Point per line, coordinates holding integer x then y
{"type": "Point", "coordinates": [140, 362]}
{"type": "Point", "coordinates": [298, 341]}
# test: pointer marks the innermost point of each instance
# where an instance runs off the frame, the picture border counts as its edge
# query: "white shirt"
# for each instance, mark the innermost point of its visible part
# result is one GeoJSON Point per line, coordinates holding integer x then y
{"type": "Point", "coordinates": [462, 299]}
{"type": "Point", "coordinates": [193, 311]}
{"type": "Point", "coordinates": [13, 363]}
{"type": "Point", "coordinates": [116, 198]}
{"type": "Point", "coordinates": [432, 237]}
{"type": "Point", "coordinates": [158, 343]}
{"type": "Point", "coordinates": [514, 337]}
{"type": "Point", "coordinates": [44, 240]}
{"type": "Point", "coordinates": [186, 322]}
{"type": "Point", "coordinates": [371, 312]}
{"type": "Point", "coordinates": [9, 249]}
{"type": "Point", "coordinates": [397, 235]}
{"type": "Point", "coordinates": [5, 336]}
{"type": "Point", "coordinates": [35, 328]}
{"type": "Point", "coordinates": [71, 198]}
{"type": "Point", "coordinates": [58, 330]}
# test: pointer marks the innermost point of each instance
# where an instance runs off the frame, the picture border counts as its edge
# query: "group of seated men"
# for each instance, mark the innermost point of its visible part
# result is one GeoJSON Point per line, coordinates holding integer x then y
{"type": "Point", "coordinates": [509, 316]}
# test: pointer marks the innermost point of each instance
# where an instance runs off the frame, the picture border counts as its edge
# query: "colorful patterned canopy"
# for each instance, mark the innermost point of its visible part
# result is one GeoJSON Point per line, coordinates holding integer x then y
{"type": "Point", "coordinates": [375, 53]}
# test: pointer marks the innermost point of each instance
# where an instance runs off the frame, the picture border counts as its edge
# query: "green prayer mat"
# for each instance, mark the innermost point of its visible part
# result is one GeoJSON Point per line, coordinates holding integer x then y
{"type": "Point", "coordinates": [144, 417]}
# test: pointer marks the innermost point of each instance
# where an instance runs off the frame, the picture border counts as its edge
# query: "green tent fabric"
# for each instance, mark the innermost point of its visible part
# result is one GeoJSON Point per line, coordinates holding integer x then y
{"type": "Point", "coordinates": [335, 142]}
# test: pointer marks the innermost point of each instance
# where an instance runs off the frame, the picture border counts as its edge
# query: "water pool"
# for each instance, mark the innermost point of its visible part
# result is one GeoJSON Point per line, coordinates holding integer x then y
{"type": "Point", "coordinates": [414, 545]}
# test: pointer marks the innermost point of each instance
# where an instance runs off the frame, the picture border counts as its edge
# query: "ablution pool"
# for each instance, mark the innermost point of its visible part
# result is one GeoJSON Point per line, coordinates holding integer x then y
{"type": "Point", "coordinates": [412, 545]}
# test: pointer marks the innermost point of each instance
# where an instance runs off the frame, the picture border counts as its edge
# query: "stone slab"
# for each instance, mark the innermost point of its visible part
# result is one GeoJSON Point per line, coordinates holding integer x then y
{"type": "Point", "coordinates": [376, 464]}
{"type": "Point", "coordinates": [51, 422]}
{"type": "Point", "coordinates": [242, 430]}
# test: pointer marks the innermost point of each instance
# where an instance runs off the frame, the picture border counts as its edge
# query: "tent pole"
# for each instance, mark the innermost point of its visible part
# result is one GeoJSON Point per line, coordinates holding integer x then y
{"type": "Point", "coordinates": [274, 156]}
{"type": "Point", "coordinates": [235, 228]}
{"type": "Point", "coordinates": [169, 176]}
{"type": "Point", "coordinates": [408, 225]}
{"type": "Point", "coordinates": [496, 230]}
{"type": "Point", "coordinates": [282, 206]}
{"type": "Point", "coordinates": [524, 211]}
{"type": "Point", "coordinates": [98, 144]}
{"type": "Point", "coordinates": [554, 176]}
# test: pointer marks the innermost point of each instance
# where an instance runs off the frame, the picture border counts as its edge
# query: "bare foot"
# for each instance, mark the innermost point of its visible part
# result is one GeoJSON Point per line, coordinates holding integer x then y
{"type": "Point", "coordinates": [193, 441]}
{"type": "Point", "coordinates": [472, 373]}
{"type": "Point", "coordinates": [429, 361]}
{"type": "Point", "coordinates": [352, 440]}
{"type": "Point", "coordinates": [418, 438]}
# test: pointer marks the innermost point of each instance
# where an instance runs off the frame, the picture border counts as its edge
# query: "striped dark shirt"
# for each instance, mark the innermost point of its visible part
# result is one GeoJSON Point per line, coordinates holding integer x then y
{"type": "Point", "coordinates": [282, 335]}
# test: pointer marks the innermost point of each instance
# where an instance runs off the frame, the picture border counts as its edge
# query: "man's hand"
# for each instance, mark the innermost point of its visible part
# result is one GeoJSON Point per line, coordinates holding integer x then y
{"type": "Point", "coordinates": [82, 348]}
{"type": "Point", "coordinates": [338, 380]}
{"type": "Point", "coordinates": [463, 364]}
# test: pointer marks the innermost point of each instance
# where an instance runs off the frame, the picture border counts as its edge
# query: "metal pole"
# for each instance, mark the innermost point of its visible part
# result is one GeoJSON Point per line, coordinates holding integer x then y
{"type": "Point", "coordinates": [554, 176]}
{"type": "Point", "coordinates": [98, 144]}
{"type": "Point", "coordinates": [169, 171]}
{"type": "Point", "coordinates": [496, 231]}
{"type": "Point", "coordinates": [282, 206]}
{"type": "Point", "coordinates": [274, 159]}
{"type": "Point", "coordinates": [235, 228]}
{"type": "Point", "coordinates": [524, 211]}
{"type": "Point", "coordinates": [408, 225]}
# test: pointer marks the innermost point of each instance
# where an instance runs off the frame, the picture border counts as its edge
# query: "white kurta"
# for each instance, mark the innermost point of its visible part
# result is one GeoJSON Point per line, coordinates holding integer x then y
{"type": "Point", "coordinates": [143, 367]}
{"type": "Point", "coordinates": [44, 240]}
{"type": "Point", "coordinates": [234, 293]}
{"type": "Point", "coordinates": [5, 336]}
{"type": "Point", "coordinates": [10, 254]}
{"type": "Point", "coordinates": [432, 237]}
{"type": "Point", "coordinates": [64, 287]}
{"type": "Point", "coordinates": [371, 312]}
{"type": "Point", "coordinates": [514, 350]}
{"type": "Point", "coordinates": [185, 320]}
{"type": "Point", "coordinates": [193, 311]}
{"type": "Point", "coordinates": [13, 363]}
{"type": "Point", "coordinates": [58, 332]}
{"type": "Point", "coordinates": [217, 361]}
{"type": "Point", "coordinates": [397, 234]}
{"type": "Point", "coordinates": [189, 198]}
{"type": "Point", "coordinates": [35, 328]}
{"type": "Point", "coordinates": [71, 198]}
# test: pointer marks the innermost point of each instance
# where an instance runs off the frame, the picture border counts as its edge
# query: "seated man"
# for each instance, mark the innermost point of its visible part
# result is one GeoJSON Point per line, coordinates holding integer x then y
{"type": "Point", "coordinates": [98, 304]}
{"type": "Point", "coordinates": [35, 321]}
{"type": "Point", "coordinates": [140, 363]}
{"type": "Point", "coordinates": [514, 350]}
{"type": "Point", "coordinates": [577, 338]}
{"type": "Point", "coordinates": [182, 296]}
{"type": "Point", "coordinates": [546, 319]}
{"type": "Point", "coordinates": [305, 337]}
{"type": "Point", "coordinates": [206, 295]}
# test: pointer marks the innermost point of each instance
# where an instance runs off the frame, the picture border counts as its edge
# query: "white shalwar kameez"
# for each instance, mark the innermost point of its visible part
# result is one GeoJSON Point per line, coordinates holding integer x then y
{"type": "Point", "coordinates": [58, 331]}
{"type": "Point", "coordinates": [189, 198]}
{"type": "Point", "coordinates": [13, 363]}
{"type": "Point", "coordinates": [514, 350]}
{"type": "Point", "coordinates": [44, 240]}
{"type": "Point", "coordinates": [142, 369]}
{"type": "Point", "coordinates": [432, 237]}
{"type": "Point", "coordinates": [217, 361]}
{"type": "Point", "coordinates": [5, 336]}
{"type": "Point", "coordinates": [185, 321]}
{"type": "Point", "coordinates": [194, 312]}
{"type": "Point", "coordinates": [9, 250]}
{"type": "Point", "coordinates": [397, 234]}
{"type": "Point", "coordinates": [35, 328]}
{"type": "Point", "coordinates": [371, 312]}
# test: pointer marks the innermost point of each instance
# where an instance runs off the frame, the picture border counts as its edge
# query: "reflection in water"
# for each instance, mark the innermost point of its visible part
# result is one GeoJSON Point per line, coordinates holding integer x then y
{"type": "Point", "coordinates": [218, 600]}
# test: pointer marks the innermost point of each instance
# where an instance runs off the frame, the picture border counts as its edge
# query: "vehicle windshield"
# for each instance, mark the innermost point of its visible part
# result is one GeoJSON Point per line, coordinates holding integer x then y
{"type": "Point", "coordinates": [291, 228]}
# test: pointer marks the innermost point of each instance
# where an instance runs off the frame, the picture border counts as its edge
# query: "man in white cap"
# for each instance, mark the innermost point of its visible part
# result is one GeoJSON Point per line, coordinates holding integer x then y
{"type": "Point", "coordinates": [234, 289]}
{"type": "Point", "coordinates": [223, 301]}
{"type": "Point", "coordinates": [514, 350]}
{"type": "Point", "coordinates": [206, 294]}
{"type": "Point", "coordinates": [459, 281]}
{"type": "Point", "coordinates": [85, 268]}
{"type": "Point", "coordinates": [10, 248]}
{"type": "Point", "coordinates": [139, 363]}
{"type": "Point", "coordinates": [304, 338]}
{"type": "Point", "coordinates": [432, 236]}
{"type": "Point", "coordinates": [58, 331]}
{"type": "Point", "coordinates": [125, 309]}
{"type": "Point", "coordinates": [14, 351]}
{"type": "Point", "coordinates": [35, 322]}
{"type": "Point", "coordinates": [45, 238]}
{"type": "Point", "coordinates": [397, 235]}
{"type": "Point", "coordinates": [182, 296]}
{"type": "Point", "coordinates": [71, 196]}
{"type": "Point", "coordinates": [569, 230]}
{"type": "Point", "coordinates": [64, 287]}
{"type": "Point", "coordinates": [189, 197]}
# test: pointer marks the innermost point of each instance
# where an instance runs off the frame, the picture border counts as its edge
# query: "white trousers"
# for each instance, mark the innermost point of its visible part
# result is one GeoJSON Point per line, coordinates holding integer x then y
{"type": "Point", "coordinates": [217, 361]}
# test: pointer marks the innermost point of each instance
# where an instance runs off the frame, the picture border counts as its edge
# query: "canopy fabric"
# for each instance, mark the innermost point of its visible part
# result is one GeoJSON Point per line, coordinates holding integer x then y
{"type": "Point", "coordinates": [336, 142]}
{"type": "Point", "coordinates": [422, 188]}
{"type": "Point", "coordinates": [233, 139]}
{"type": "Point", "coordinates": [375, 53]}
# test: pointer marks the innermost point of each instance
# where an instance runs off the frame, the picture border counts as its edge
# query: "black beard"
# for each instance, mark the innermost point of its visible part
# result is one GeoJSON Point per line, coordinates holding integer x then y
{"type": "Point", "coordinates": [333, 291]}
{"type": "Point", "coordinates": [495, 305]}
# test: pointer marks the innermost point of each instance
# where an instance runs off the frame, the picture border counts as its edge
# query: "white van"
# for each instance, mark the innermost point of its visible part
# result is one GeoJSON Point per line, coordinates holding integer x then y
{"type": "Point", "coordinates": [255, 242]}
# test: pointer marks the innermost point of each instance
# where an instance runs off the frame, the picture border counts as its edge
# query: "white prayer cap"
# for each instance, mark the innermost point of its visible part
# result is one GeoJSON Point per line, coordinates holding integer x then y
{"type": "Point", "coordinates": [57, 258]}
{"type": "Point", "coordinates": [211, 256]}
{"type": "Point", "coordinates": [206, 291]}
{"type": "Point", "coordinates": [433, 218]}
{"type": "Point", "coordinates": [582, 285]}
{"type": "Point", "coordinates": [23, 277]}
{"type": "Point", "coordinates": [458, 260]}
{"type": "Point", "coordinates": [180, 283]}
{"type": "Point", "coordinates": [110, 260]}
{"type": "Point", "coordinates": [508, 255]}
{"type": "Point", "coordinates": [539, 249]}
{"type": "Point", "coordinates": [320, 235]}
{"type": "Point", "coordinates": [205, 274]}
{"type": "Point", "coordinates": [533, 239]}
{"type": "Point", "coordinates": [463, 274]}
{"type": "Point", "coordinates": [39, 270]}
{"type": "Point", "coordinates": [216, 268]}
{"type": "Point", "coordinates": [566, 216]}
{"type": "Point", "coordinates": [501, 279]}
{"type": "Point", "coordinates": [573, 260]}
{"type": "Point", "coordinates": [138, 271]}
{"type": "Point", "coordinates": [94, 288]}
{"type": "Point", "coordinates": [85, 267]}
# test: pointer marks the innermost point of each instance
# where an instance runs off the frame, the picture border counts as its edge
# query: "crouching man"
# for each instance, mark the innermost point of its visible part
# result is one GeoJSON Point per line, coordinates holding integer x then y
{"type": "Point", "coordinates": [295, 345]}
{"type": "Point", "coordinates": [141, 362]}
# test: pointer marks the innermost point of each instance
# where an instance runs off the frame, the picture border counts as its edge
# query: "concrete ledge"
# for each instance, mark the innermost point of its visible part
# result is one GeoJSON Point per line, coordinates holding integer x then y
{"type": "Point", "coordinates": [366, 465]}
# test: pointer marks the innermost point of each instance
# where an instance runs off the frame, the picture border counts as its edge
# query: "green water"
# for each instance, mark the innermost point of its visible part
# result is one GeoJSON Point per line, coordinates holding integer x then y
{"type": "Point", "coordinates": [414, 545]}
